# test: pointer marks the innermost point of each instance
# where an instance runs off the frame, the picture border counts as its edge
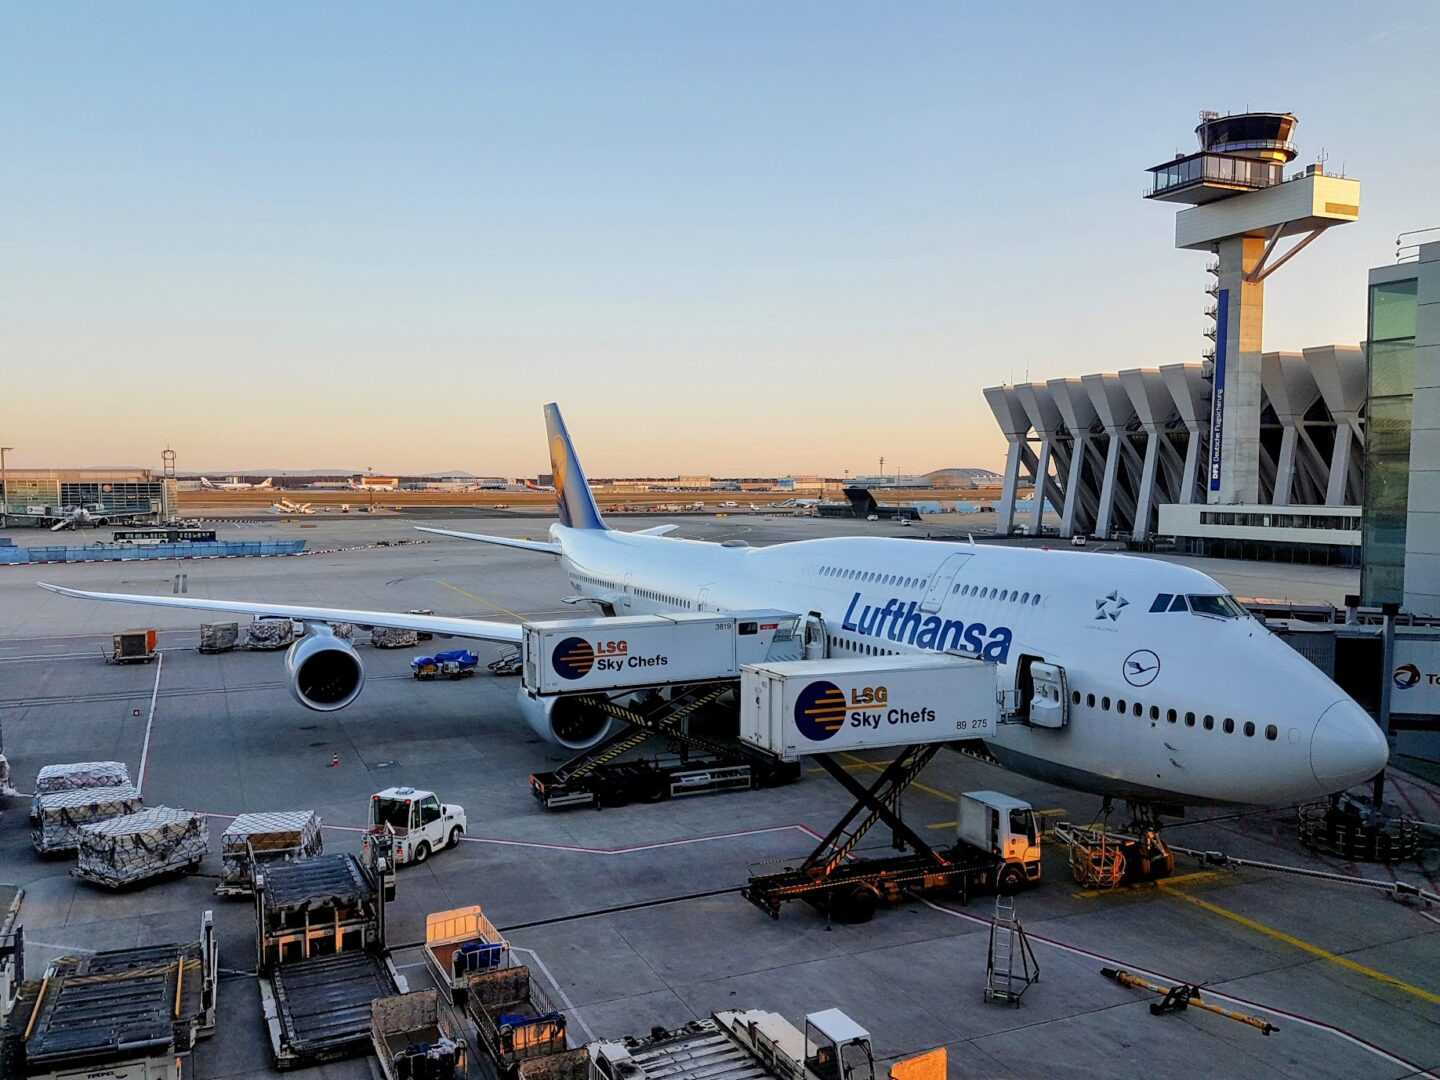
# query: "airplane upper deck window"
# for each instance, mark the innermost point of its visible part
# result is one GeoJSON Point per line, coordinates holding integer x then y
{"type": "Point", "coordinates": [1220, 607]}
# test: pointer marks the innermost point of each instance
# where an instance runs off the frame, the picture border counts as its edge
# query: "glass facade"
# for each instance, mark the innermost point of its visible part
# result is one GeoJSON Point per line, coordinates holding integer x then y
{"type": "Point", "coordinates": [1217, 169]}
{"type": "Point", "coordinates": [1390, 359]}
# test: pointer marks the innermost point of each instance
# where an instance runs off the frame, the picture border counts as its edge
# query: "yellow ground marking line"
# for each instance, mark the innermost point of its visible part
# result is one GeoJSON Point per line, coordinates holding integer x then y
{"type": "Point", "coordinates": [481, 600]}
{"type": "Point", "coordinates": [1189, 879]}
{"type": "Point", "coordinates": [1303, 946]}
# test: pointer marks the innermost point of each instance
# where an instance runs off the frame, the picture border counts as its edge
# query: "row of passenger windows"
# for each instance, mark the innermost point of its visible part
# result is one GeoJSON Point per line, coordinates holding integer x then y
{"type": "Point", "coordinates": [987, 592]}
{"type": "Point", "coordinates": [663, 598]}
{"type": "Point", "coordinates": [1135, 708]}
{"type": "Point", "coordinates": [848, 574]}
{"type": "Point", "coordinates": [859, 648]}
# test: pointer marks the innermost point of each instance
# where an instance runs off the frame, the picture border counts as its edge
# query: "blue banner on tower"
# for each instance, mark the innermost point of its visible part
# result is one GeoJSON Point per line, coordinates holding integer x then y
{"type": "Point", "coordinates": [1217, 400]}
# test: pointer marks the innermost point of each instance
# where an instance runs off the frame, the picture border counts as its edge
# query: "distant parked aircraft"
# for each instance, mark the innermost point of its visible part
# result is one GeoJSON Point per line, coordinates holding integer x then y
{"type": "Point", "coordinates": [235, 484]}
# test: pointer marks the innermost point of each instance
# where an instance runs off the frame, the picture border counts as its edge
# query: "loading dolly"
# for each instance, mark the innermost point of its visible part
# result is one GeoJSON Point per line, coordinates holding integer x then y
{"type": "Point", "coordinates": [850, 889]}
{"type": "Point", "coordinates": [692, 764]}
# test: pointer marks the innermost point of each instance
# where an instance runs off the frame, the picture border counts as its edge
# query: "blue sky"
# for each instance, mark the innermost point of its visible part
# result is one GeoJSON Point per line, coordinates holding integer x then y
{"type": "Point", "coordinates": [731, 238]}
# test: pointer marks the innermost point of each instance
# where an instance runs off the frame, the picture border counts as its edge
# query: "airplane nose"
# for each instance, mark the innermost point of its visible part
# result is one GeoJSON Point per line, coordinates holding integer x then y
{"type": "Point", "coordinates": [1347, 747]}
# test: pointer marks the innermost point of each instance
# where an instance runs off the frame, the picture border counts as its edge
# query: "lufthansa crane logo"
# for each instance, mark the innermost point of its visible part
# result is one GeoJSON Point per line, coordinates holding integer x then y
{"type": "Point", "coordinates": [820, 711]}
{"type": "Point", "coordinates": [573, 658]}
{"type": "Point", "coordinates": [1141, 667]}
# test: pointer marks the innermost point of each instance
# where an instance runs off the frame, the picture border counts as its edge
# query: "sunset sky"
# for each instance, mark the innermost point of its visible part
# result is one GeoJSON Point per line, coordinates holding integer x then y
{"type": "Point", "coordinates": [734, 238]}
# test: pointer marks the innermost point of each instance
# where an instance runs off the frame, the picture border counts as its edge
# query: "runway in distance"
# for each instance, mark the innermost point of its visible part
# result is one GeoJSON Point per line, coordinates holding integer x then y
{"type": "Point", "coordinates": [1140, 679]}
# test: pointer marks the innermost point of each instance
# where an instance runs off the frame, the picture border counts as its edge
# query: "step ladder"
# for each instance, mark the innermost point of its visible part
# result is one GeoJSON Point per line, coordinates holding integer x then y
{"type": "Point", "coordinates": [1011, 966]}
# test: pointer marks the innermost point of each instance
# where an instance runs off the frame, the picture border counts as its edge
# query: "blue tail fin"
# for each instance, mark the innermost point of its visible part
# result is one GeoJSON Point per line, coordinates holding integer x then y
{"type": "Point", "coordinates": [572, 493]}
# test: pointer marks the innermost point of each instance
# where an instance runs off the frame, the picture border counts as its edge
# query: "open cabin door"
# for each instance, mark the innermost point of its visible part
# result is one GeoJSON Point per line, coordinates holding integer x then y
{"type": "Point", "coordinates": [816, 647]}
{"type": "Point", "coordinates": [1042, 693]}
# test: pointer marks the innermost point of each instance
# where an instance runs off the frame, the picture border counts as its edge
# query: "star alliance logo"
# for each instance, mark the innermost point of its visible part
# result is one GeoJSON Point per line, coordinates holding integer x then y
{"type": "Point", "coordinates": [1110, 606]}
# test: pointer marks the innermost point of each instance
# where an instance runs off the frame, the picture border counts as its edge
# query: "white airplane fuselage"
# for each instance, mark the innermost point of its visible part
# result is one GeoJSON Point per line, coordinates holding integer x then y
{"type": "Point", "coordinates": [1166, 706]}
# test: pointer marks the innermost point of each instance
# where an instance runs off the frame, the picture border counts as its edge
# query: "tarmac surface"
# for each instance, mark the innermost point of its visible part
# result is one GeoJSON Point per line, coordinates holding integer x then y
{"type": "Point", "coordinates": [631, 912]}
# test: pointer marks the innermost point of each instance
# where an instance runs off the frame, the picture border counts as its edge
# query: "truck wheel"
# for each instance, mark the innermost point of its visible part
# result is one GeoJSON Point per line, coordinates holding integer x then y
{"type": "Point", "coordinates": [455, 837]}
{"type": "Point", "coordinates": [856, 905]}
{"type": "Point", "coordinates": [1010, 881]}
{"type": "Point", "coordinates": [421, 852]}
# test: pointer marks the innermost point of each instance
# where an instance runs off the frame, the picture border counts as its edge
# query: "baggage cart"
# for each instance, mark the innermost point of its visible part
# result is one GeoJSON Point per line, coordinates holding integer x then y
{"type": "Point", "coordinates": [459, 943]}
{"type": "Point", "coordinates": [135, 847]}
{"type": "Point", "coordinates": [514, 1017]}
{"type": "Point", "coordinates": [133, 647]}
{"type": "Point", "coordinates": [252, 840]}
{"type": "Point", "coordinates": [60, 814]}
{"type": "Point", "coordinates": [415, 1039]}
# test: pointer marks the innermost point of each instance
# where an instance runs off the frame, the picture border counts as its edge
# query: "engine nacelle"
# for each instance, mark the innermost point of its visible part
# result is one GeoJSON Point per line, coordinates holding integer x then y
{"type": "Point", "coordinates": [325, 673]}
{"type": "Point", "coordinates": [561, 721]}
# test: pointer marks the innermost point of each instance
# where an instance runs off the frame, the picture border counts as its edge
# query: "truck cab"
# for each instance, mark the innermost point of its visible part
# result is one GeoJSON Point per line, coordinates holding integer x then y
{"type": "Point", "coordinates": [837, 1048]}
{"type": "Point", "coordinates": [422, 824]}
{"type": "Point", "coordinates": [1004, 826]}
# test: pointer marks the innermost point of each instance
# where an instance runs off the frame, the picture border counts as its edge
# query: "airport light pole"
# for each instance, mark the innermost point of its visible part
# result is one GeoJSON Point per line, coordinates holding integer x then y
{"type": "Point", "coordinates": [4, 489]}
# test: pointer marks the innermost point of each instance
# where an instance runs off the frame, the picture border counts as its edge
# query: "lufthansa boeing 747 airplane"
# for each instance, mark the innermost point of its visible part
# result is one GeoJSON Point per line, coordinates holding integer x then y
{"type": "Point", "coordinates": [1139, 679]}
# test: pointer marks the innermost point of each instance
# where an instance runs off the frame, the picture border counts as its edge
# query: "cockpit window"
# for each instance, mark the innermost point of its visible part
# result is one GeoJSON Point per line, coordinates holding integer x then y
{"type": "Point", "coordinates": [1220, 607]}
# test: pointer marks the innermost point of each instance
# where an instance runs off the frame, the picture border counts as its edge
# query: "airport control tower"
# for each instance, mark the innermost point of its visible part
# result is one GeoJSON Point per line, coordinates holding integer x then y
{"type": "Point", "coordinates": [1241, 207]}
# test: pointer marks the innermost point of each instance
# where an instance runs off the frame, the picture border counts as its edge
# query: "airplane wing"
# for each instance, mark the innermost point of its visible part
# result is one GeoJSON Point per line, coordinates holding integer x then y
{"type": "Point", "coordinates": [445, 626]}
{"type": "Point", "coordinates": [658, 530]}
{"type": "Point", "coordinates": [503, 541]}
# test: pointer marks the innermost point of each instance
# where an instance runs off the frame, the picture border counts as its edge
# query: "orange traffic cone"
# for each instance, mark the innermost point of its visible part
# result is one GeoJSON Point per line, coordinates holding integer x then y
{"type": "Point", "coordinates": [335, 761]}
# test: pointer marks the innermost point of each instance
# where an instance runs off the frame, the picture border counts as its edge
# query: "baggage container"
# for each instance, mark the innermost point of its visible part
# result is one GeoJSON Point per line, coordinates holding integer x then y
{"type": "Point", "coordinates": [826, 706]}
{"type": "Point", "coordinates": [77, 775]}
{"type": "Point", "coordinates": [415, 1040]}
{"type": "Point", "coordinates": [60, 814]}
{"type": "Point", "coordinates": [253, 840]}
{"type": "Point", "coordinates": [460, 943]}
{"type": "Point", "coordinates": [133, 647]}
{"type": "Point", "coordinates": [145, 844]}
{"type": "Point", "coordinates": [514, 1017]}
{"type": "Point", "coordinates": [219, 637]}
{"type": "Point", "coordinates": [569, 655]}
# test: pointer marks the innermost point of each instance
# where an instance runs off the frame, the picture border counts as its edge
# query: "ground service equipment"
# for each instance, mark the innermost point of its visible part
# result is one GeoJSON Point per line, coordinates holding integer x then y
{"type": "Point", "coordinates": [745, 1045]}
{"type": "Point", "coordinates": [514, 1017]}
{"type": "Point", "coordinates": [130, 1014]}
{"type": "Point", "coordinates": [76, 775]}
{"type": "Point", "coordinates": [577, 655]}
{"type": "Point", "coordinates": [12, 948]}
{"type": "Point", "coordinates": [669, 680]}
{"type": "Point", "coordinates": [135, 847]}
{"type": "Point", "coordinates": [417, 820]}
{"type": "Point", "coordinates": [826, 706]}
{"type": "Point", "coordinates": [58, 816]}
{"type": "Point", "coordinates": [460, 943]}
{"type": "Point", "coordinates": [1179, 998]}
{"type": "Point", "coordinates": [415, 1039]}
{"type": "Point", "coordinates": [321, 953]}
{"type": "Point", "coordinates": [252, 840]}
{"type": "Point", "coordinates": [133, 647]}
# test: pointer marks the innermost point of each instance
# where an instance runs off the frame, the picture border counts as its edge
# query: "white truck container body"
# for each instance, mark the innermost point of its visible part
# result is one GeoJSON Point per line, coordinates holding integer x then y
{"type": "Point", "coordinates": [580, 655]}
{"type": "Point", "coordinates": [826, 706]}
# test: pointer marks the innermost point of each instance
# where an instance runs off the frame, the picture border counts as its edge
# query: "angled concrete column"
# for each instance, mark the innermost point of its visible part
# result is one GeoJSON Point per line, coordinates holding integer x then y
{"type": "Point", "coordinates": [1154, 408]}
{"type": "Point", "coordinates": [1045, 418]}
{"type": "Point", "coordinates": [1010, 415]}
{"type": "Point", "coordinates": [1339, 373]}
{"type": "Point", "coordinates": [1114, 411]}
{"type": "Point", "coordinates": [1078, 413]}
{"type": "Point", "coordinates": [1285, 378]}
{"type": "Point", "coordinates": [1191, 395]}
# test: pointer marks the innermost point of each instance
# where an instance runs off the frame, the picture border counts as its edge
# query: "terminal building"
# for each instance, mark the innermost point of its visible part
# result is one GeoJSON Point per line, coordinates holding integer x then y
{"type": "Point", "coordinates": [28, 495]}
{"type": "Point", "coordinates": [1241, 452]}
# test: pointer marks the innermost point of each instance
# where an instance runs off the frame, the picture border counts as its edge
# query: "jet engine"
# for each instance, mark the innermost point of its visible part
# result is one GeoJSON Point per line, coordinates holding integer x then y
{"type": "Point", "coordinates": [325, 674]}
{"type": "Point", "coordinates": [563, 721]}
